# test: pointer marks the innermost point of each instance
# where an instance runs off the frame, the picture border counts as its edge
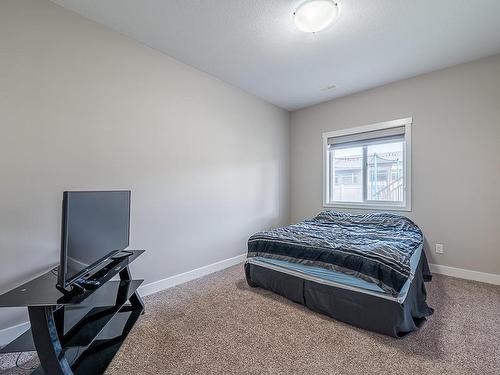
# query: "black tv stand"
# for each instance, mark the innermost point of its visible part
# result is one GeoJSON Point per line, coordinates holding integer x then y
{"type": "Point", "coordinates": [88, 284]}
{"type": "Point", "coordinates": [77, 331]}
{"type": "Point", "coordinates": [73, 290]}
{"type": "Point", "coordinates": [122, 254]}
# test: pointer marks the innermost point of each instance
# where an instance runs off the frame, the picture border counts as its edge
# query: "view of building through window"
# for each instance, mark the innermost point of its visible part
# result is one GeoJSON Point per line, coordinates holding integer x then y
{"type": "Point", "coordinates": [383, 173]}
{"type": "Point", "coordinates": [348, 174]}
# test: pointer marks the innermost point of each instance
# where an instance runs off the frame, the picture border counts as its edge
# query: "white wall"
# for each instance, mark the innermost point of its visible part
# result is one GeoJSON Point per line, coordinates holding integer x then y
{"type": "Point", "coordinates": [456, 156]}
{"type": "Point", "coordinates": [82, 107]}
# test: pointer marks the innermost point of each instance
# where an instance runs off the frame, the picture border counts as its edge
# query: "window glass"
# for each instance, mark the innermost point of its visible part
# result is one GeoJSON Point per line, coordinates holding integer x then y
{"type": "Point", "coordinates": [347, 174]}
{"type": "Point", "coordinates": [381, 162]}
{"type": "Point", "coordinates": [385, 170]}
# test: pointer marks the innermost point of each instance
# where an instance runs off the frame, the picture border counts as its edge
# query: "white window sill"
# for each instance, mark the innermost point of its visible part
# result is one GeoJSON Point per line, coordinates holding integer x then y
{"type": "Point", "coordinates": [364, 206]}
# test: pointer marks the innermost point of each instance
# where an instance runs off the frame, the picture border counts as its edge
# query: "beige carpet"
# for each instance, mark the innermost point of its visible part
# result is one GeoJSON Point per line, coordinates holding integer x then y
{"type": "Point", "coordinates": [219, 325]}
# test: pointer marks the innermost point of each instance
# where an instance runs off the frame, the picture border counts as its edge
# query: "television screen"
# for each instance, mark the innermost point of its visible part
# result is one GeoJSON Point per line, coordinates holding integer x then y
{"type": "Point", "coordinates": [95, 225]}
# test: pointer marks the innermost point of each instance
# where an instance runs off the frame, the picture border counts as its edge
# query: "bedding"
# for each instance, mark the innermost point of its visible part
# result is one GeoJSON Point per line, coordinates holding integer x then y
{"type": "Point", "coordinates": [335, 278]}
{"type": "Point", "coordinates": [375, 247]}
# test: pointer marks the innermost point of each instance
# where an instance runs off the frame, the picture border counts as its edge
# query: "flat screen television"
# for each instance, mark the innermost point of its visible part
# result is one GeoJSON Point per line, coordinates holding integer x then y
{"type": "Point", "coordinates": [95, 226]}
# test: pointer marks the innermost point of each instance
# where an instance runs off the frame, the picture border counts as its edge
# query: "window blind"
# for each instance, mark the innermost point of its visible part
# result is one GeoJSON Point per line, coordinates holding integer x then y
{"type": "Point", "coordinates": [389, 133]}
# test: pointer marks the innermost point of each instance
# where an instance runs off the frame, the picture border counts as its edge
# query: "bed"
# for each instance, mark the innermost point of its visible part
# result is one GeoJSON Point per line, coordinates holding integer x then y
{"type": "Point", "coordinates": [367, 270]}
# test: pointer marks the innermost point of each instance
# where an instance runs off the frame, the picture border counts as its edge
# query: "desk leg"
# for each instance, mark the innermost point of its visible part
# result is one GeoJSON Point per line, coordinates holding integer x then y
{"type": "Point", "coordinates": [44, 329]}
{"type": "Point", "coordinates": [135, 299]}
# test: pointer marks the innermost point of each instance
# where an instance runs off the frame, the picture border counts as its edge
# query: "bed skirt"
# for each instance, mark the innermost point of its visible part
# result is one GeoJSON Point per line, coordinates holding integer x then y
{"type": "Point", "coordinates": [359, 309]}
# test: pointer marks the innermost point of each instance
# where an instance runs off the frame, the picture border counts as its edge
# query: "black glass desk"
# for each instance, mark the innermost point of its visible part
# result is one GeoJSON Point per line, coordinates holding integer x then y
{"type": "Point", "coordinates": [77, 333]}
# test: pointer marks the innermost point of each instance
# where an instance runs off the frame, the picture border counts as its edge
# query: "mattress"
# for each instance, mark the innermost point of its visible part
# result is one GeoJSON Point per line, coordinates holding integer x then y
{"type": "Point", "coordinates": [339, 279]}
{"type": "Point", "coordinates": [357, 304]}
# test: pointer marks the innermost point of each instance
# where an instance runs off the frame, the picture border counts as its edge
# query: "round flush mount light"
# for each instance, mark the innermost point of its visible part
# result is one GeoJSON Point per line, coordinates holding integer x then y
{"type": "Point", "coordinates": [315, 15]}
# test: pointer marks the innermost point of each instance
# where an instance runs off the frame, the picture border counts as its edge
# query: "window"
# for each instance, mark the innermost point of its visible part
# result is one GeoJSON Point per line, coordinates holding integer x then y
{"type": "Point", "coordinates": [369, 166]}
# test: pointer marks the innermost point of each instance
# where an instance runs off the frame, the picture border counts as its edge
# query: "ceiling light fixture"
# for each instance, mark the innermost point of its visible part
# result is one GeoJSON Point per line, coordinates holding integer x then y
{"type": "Point", "coordinates": [315, 15]}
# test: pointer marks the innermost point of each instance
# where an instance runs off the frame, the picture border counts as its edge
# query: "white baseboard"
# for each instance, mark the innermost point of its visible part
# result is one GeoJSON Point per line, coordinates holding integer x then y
{"type": "Point", "coordinates": [181, 278]}
{"type": "Point", "coordinates": [10, 333]}
{"type": "Point", "coordinates": [461, 273]}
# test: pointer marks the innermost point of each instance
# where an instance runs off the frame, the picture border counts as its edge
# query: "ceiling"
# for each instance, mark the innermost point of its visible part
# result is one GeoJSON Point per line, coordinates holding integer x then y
{"type": "Point", "coordinates": [254, 45]}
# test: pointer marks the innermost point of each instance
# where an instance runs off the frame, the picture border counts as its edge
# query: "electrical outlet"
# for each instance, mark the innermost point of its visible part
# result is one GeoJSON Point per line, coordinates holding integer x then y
{"type": "Point", "coordinates": [439, 248]}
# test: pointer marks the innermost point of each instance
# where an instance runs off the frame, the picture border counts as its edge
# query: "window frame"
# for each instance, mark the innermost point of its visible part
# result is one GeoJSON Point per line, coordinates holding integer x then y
{"type": "Point", "coordinates": [407, 168]}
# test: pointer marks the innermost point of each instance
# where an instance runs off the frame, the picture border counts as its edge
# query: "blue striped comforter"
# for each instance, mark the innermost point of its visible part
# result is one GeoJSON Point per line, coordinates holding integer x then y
{"type": "Point", "coordinates": [376, 247]}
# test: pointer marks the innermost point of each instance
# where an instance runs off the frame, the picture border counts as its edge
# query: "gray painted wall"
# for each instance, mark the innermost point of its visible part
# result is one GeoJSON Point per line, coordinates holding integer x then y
{"type": "Point", "coordinates": [82, 107]}
{"type": "Point", "coordinates": [456, 156]}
